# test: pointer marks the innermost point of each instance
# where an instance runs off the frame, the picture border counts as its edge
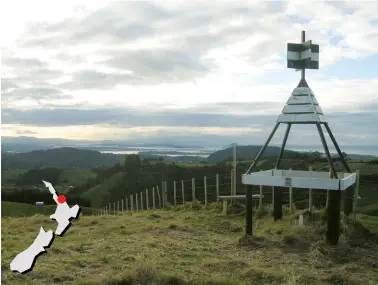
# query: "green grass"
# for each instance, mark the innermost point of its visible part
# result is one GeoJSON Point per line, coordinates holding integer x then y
{"type": "Point", "coordinates": [190, 245]}
{"type": "Point", "coordinates": [75, 177]}
{"type": "Point", "coordinates": [12, 209]}
{"type": "Point", "coordinates": [192, 164]}
{"type": "Point", "coordinates": [10, 175]}
{"type": "Point", "coordinates": [97, 193]}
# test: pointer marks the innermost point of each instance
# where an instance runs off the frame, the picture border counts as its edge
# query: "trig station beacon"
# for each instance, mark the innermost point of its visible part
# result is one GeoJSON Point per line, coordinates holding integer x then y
{"type": "Point", "coordinates": [303, 108]}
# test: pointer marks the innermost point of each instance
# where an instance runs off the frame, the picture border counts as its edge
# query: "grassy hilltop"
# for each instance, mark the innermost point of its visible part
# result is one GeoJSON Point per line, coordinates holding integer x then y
{"type": "Point", "coordinates": [193, 245]}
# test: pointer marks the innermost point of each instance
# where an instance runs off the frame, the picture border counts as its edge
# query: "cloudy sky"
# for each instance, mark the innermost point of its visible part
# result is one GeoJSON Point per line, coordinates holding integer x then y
{"type": "Point", "coordinates": [184, 71]}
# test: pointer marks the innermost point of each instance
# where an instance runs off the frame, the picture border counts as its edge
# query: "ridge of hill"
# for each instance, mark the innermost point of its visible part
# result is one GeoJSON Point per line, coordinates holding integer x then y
{"type": "Point", "coordinates": [65, 157]}
{"type": "Point", "coordinates": [248, 152]}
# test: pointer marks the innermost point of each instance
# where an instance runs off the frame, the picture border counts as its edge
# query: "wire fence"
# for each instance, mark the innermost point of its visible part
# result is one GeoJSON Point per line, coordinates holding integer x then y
{"type": "Point", "coordinates": [209, 189]}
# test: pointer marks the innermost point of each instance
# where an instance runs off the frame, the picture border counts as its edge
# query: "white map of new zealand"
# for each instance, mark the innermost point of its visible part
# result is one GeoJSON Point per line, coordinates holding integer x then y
{"type": "Point", "coordinates": [25, 260]}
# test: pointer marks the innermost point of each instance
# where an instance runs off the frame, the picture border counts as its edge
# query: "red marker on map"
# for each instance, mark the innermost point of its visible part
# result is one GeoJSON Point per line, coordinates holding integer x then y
{"type": "Point", "coordinates": [61, 199]}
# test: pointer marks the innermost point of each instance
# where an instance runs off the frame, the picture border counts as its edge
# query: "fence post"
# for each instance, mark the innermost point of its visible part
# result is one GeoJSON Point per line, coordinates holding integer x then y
{"type": "Point", "coordinates": [141, 201]}
{"type": "Point", "coordinates": [153, 198]}
{"type": "Point", "coordinates": [117, 206]}
{"type": "Point", "coordinates": [131, 202]}
{"type": "Point", "coordinates": [330, 176]}
{"type": "Point", "coordinates": [147, 202]}
{"type": "Point", "coordinates": [114, 208]}
{"type": "Point", "coordinates": [106, 210]}
{"type": "Point", "coordinates": [217, 186]}
{"type": "Point", "coordinates": [291, 198]}
{"type": "Point", "coordinates": [158, 194]}
{"type": "Point", "coordinates": [174, 192]}
{"type": "Point", "coordinates": [183, 192]}
{"type": "Point", "coordinates": [310, 195]}
{"type": "Point", "coordinates": [122, 205]}
{"type": "Point", "coordinates": [261, 193]}
{"type": "Point", "coordinates": [193, 190]}
{"type": "Point", "coordinates": [205, 187]}
{"type": "Point", "coordinates": [136, 201]}
{"type": "Point", "coordinates": [356, 190]}
{"type": "Point", "coordinates": [164, 193]}
{"type": "Point", "coordinates": [126, 203]}
{"type": "Point", "coordinates": [232, 186]}
{"type": "Point", "coordinates": [110, 208]}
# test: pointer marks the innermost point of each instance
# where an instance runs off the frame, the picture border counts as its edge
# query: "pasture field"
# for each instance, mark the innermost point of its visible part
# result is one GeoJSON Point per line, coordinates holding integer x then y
{"type": "Point", "coordinates": [194, 244]}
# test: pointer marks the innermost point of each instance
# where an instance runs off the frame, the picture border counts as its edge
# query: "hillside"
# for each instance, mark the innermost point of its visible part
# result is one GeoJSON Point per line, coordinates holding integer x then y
{"type": "Point", "coordinates": [65, 157]}
{"type": "Point", "coordinates": [248, 152]}
{"type": "Point", "coordinates": [192, 247]}
{"type": "Point", "coordinates": [11, 209]}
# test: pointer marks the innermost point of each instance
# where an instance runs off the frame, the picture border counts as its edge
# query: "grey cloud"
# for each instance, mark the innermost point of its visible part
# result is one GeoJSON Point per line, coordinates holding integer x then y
{"type": "Point", "coordinates": [340, 123]}
{"type": "Point", "coordinates": [6, 84]}
{"type": "Point", "coordinates": [129, 118]}
{"type": "Point", "coordinates": [123, 22]}
{"type": "Point", "coordinates": [90, 79]}
{"type": "Point", "coordinates": [33, 93]}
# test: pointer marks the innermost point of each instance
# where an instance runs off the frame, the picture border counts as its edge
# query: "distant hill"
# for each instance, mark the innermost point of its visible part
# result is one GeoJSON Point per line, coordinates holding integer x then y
{"type": "Point", "coordinates": [247, 153]}
{"type": "Point", "coordinates": [65, 157]}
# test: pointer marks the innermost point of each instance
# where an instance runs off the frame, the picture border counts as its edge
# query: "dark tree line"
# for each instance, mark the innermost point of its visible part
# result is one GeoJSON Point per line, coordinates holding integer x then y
{"type": "Point", "coordinates": [31, 195]}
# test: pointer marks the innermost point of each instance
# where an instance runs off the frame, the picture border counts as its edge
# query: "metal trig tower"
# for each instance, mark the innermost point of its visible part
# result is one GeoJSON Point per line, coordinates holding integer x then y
{"type": "Point", "coordinates": [303, 108]}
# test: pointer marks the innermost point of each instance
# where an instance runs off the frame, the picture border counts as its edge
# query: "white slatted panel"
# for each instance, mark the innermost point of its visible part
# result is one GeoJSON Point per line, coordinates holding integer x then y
{"type": "Point", "coordinates": [294, 100]}
{"type": "Point", "coordinates": [299, 109]}
{"type": "Point", "coordinates": [300, 118]}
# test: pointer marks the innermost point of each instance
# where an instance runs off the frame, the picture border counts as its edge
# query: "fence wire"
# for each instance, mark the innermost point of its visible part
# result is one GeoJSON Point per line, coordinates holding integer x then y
{"type": "Point", "coordinates": [163, 194]}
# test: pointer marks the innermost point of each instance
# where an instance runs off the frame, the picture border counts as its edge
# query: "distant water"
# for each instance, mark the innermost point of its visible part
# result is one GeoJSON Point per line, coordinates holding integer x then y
{"type": "Point", "coordinates": [205, 152]}
{"type": "Point", "coordinates": [166, 151]}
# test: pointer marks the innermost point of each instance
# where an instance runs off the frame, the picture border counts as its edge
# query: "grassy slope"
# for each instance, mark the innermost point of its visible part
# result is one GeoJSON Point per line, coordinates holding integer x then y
{"type": "Point", "coordinates": [200, 246]}
{"type": "Point", "coordinates": [11, 209]}
{"type": "Point", "coordinates": [96, 194]}
{"type": "Point", "coordinates": [76, 176]}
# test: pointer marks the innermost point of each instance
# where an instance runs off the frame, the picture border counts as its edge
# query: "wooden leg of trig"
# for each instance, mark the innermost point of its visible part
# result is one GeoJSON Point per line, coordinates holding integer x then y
{"type": "Point", "coordinates": [225, 203]}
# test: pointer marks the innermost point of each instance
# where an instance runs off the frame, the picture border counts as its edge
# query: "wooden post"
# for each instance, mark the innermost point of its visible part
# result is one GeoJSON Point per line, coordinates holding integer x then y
{"type": "Point", "coordinates": [182, 191]}
{"type": "Point", "coordinates": [277, 205]}
{"type": "Point", "coordinates": [147, 202]}
{"type": "Point", "coordinates": [141, 201]}
{"type": "Point", "coordinates": [248, 210]}
{"type": "Point", "coordinates": [136, 202]}
{"type": "Point", "coordinates": [205, 187]}
{"type": "Point", "coordinates": [153, 198]}
{"type": "Point", "coordinates": [106, 210]}
{"type": "Point", "coordinates": [131, 202]}
{"type": "Point", "coordinates": [291, 198]}
{"type": "Point", "coordinates": [217, 186]}
{"type": "Point", "coordinates": [333, 216]}
{"type": "Point", "coordinates": [117, 206]}
{"type": "Point", "coordinates": [349, 200]}
{"type": "Point", "coordinates": [174, 193]}
{"type": "Point", "coordinates": [261, 194]}
{"type": "Point", "coordinates": [327, 201]}
{"type": "Point", "coordinates": [310, 195]}
{"type": "Point", "coordinates": [356, 191]}
{"type": "Point", "coordinates": [193, 190]}
{"type": "Point", "coordinates": [272, 195]}
{"type": "Point", "coordinates": [114, 208]}
{"type": "Point", "coordinates": [162, 194]}
{"type": "Point", "coordinates": [122, 205]}
{"type": "Point", "coordinates": [127, 203]}
{"type": "Point", "coordinates": [110, 208]}
{"type": "Point", "coordinates": [234, 185]}
{"type": "Point", "coordinates": [158, 194]}
{"type": "Point", "coordinates": [165, 195]}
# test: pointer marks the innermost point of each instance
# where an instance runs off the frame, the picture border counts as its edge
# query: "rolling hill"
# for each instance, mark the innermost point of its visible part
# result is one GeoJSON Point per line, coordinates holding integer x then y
{"type": "Point", "coordinates": [248, 152]}
{"type": "Point", "coordinates": [65, 157]}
